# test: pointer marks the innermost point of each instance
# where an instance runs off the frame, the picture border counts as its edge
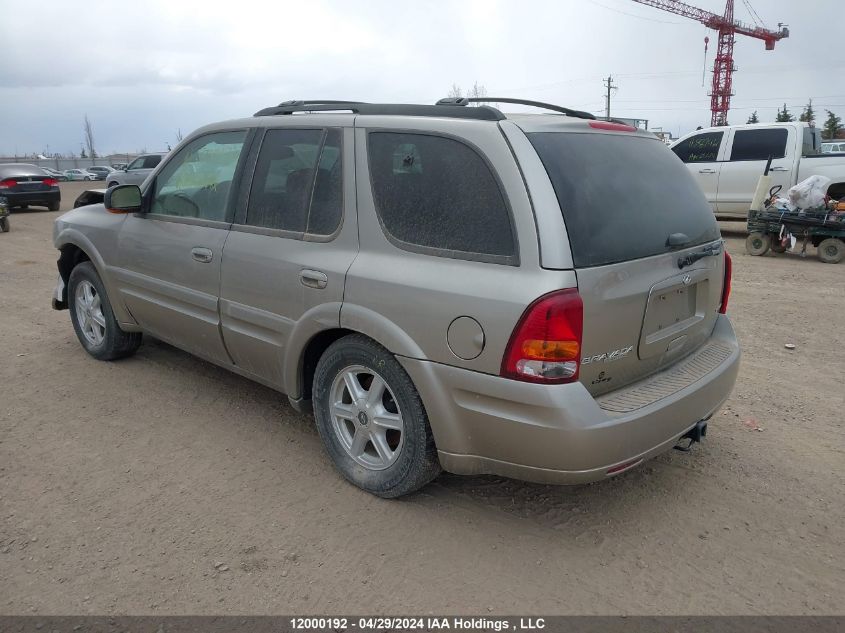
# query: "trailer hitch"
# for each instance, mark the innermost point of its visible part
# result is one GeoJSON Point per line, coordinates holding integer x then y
{"type": "Point", "coordinates": [693, 435]}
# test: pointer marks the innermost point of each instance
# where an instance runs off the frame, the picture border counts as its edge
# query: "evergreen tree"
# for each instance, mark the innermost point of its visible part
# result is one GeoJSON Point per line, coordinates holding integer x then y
{"type": "Point", "coordinates": [832, 126]}
{"type": "Point", "coordinates": [808, 115]}
{"type": "Point", "coordinates": [784, 116]}
{"type": "Point", "coordinates": [753, 118]}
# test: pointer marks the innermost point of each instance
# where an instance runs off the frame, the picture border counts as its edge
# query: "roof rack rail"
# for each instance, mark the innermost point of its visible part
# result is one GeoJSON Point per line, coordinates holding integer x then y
{"type": "Point", "coordinates": [482, 113]}
{"type": "Point", "coordinates": [297, 102]}
{"type": "Point", "coordinates": [463, 101]}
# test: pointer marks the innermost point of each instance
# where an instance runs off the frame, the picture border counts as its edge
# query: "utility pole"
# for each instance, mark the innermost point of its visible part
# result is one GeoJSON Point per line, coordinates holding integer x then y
{"type": "Point", "coordinates": [608, 83]}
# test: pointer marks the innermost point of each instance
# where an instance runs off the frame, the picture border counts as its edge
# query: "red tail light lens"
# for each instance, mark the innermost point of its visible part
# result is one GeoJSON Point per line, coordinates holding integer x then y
{"type": "Point", "coordinates": [726, 287]}
{"type": "Point", "coordinates": [50, 182]}
{"type": "Point", "coordinates": [8, 183]}
{"type": "Point", "coordinates": [545, 346]}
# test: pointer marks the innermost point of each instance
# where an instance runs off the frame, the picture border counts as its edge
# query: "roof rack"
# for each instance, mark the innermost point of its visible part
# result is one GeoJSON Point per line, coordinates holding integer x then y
{"type": "Point", "coordinates": [481, 113]}
{"type": "Point", "coordinates": [463, 101]}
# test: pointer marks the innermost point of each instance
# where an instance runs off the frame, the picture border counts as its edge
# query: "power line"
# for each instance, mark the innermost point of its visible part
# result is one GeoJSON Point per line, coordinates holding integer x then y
{"type": "Point", "coordinates": [779, 100]}
{"type": "Point", "coordinates": [633, 15]}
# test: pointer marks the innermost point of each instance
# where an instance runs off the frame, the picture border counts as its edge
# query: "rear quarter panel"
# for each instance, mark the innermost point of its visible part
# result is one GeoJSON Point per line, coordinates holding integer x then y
{"type": "Point", "coordinates": [407, 300]}
{"type": "Point", "coordinates": [824, 165]}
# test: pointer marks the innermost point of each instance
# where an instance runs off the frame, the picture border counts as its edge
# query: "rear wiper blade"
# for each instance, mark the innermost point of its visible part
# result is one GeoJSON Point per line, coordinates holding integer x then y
{"type": "Point", "coordinates": [710, 251]}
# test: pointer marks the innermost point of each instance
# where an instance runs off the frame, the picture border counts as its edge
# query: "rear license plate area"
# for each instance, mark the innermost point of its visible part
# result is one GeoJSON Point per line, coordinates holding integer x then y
{"type": "Point", "coordinates": [670, 308]}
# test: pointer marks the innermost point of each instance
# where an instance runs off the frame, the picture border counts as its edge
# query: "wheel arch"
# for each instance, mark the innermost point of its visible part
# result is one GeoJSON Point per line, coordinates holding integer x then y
{"type": "Point", "coordinates": [74, 249]}
{"type": "Point", "coordinates": [301, 358]}
{"type": "Point", "coordinates": [836, 190]}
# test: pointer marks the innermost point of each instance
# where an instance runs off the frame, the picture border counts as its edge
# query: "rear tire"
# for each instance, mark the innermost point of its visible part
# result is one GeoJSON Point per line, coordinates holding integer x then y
{"type": "Point", "coordinates": [93, 319]}
{"type": "Point", "coordinates": [758, 244]}
{"type": "Point", "coordinates": [831, 250]}
{"type": "Point", "coordinates": [372, 420]}
{"type": "Point", "coordinates": [54, 206]}
{"type": "Point", "coordinates": [4, 225]}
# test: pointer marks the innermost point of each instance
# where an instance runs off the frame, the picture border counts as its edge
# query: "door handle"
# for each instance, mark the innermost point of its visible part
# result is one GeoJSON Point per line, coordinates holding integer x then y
{"type": "Point", "coordinates": [313, 278]}
{"type": "Point", "coordinates": [706, 171]}
{"type": "Point", "coordinates": [778, 169]}
{"type": "Point", "coordinates": [202, 255]}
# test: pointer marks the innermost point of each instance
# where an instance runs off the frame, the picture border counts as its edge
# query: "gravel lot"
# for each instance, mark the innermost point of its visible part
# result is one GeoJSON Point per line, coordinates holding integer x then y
{"type": "Point", "coordinates": [162, 484]}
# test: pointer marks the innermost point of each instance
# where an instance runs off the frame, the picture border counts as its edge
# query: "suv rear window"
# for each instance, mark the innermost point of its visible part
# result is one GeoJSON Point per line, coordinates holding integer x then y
{"type": "Point", "coordinates": [438, 196]}
{"type": "Point", "coordinates": [622, 196]}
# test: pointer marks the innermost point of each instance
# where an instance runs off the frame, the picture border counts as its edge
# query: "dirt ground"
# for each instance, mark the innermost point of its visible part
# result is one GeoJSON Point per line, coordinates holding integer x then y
{"type": "Point", "coordinates": [162, 484]}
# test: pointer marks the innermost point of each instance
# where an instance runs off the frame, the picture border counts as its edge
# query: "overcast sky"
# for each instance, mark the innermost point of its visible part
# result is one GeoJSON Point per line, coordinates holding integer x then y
{"type": "Point", "coordinates": [143, 70]}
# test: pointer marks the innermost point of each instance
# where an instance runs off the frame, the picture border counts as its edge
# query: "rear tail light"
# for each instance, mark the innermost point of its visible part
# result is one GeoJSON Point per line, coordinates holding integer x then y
{"type": "Point", "coordinates": [8, 183]}
{"type": "Point", "coordinates": [545, 346]}
{"type": "Point", "coordinates": [50, 182]}
{"type": "Point", "coordinates": [726, 287]}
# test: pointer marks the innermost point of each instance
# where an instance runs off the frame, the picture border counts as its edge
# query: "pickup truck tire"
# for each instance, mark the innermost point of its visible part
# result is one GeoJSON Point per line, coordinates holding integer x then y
{"type": "Point", "coordinates": [4, 225]}
{"type": "Point", "coordinates": [372, 420]}
{"type": "Point", "coordinates": [93, 319]}
{"type": "Point", "coordinates": [758, 243]}
{"type": "Point", "coordinates": [831, 250]}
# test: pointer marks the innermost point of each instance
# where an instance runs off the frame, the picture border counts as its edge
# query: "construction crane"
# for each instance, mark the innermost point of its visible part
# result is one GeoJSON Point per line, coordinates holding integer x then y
{"type": "Point", "coordinates": [723, 67]}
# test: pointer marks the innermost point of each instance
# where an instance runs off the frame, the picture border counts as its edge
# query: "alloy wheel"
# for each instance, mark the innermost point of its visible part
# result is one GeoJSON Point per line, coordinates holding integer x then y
{"type": "Point", "coordinates": [89, 313]}
{"type": "Point", "coordinates": [366, 417]}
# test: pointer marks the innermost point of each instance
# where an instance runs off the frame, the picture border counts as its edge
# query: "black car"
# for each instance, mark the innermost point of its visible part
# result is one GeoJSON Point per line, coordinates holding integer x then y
{"type": "Point", "coordinates": [23, 185]}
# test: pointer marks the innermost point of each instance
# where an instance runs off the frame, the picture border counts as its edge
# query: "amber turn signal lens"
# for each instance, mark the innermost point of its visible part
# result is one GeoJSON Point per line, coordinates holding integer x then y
{"type": "Point", "coordinates": [550, 350]}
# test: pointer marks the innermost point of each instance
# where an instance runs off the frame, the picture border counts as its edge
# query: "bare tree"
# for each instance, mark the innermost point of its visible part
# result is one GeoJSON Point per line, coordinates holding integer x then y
{"type": "Point", "coordinates": [478, 91]}
{"type": "Point", "coordinates": [89, 139]}
{"type": "Point", "coordinates": [179, 135]}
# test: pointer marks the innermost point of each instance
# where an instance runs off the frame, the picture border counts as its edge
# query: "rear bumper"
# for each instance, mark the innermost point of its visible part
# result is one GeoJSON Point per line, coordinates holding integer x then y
{"type": "Point", "coordinates": [16, 198]}
{"type": "Point", "coordinates": [485, 424]}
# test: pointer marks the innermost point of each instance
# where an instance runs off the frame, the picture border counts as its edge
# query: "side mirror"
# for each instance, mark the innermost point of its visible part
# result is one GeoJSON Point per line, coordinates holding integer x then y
{"type": "Point", "coordinates": [123, 199]}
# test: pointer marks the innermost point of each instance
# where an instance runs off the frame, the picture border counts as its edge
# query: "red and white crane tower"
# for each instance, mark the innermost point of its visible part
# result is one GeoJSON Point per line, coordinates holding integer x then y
{"type": "Point", "coordinates": [723, 68]}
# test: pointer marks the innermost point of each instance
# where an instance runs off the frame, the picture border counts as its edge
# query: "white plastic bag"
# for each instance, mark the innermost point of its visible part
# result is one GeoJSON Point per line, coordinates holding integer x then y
{"type": "Point", "coordinates": [809, 193]}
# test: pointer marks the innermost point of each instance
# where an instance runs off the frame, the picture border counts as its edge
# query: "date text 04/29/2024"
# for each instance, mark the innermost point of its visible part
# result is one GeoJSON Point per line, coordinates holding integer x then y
{"type": "Point", "coordinates": [455, 623]}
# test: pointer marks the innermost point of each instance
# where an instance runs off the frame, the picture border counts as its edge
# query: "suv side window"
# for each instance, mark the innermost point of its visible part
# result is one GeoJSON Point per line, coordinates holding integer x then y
{"type": "Point", "coordinates": [759, 144]}
{"type": "Point", "coordinates": [701, 148]}
{"type": "Point", "coordinates": [138, 163]}
{"type": "Point", "coordinates": [298, 182]}
{"type": "Point", "coordinates": [196, 182]}
{"type": "Point", "coordinates": [151, 162]}
{"type": "Point", "coordinates": [438, 195]}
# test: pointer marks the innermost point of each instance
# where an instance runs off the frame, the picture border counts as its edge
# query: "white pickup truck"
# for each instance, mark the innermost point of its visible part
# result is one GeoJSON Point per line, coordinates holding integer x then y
{"type": "Point", "coordinates": [727, 161]}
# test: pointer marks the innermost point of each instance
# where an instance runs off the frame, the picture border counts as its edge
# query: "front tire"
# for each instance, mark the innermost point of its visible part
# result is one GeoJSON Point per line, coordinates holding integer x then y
{"type": "Point", "coordinates": [831, 250]}
{"type": "Point", "coordinates": [93, 319]}
{"type": "Point", "coordinates": [372, 420]}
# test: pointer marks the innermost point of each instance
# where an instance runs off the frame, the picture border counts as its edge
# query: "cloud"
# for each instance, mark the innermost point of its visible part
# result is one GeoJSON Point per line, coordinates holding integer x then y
{"type": "Point", "coordinates": [142, 70]}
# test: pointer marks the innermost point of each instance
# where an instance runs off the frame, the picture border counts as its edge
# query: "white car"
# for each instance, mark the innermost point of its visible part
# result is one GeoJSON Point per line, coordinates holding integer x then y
{"type": "Point", "coordinates": [728, 161]}
{"type": "Point", "coordinates": [833, 148]}
{"type": "Point", "coordinates": [79, 174]}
